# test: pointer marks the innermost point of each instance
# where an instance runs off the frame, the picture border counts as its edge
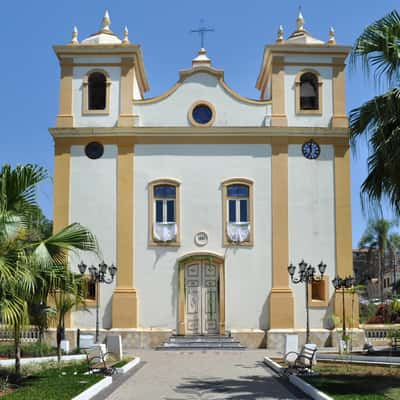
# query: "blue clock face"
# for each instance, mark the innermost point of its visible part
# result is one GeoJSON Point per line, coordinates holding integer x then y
{"type": "Point", "coordinates": [311, 150]}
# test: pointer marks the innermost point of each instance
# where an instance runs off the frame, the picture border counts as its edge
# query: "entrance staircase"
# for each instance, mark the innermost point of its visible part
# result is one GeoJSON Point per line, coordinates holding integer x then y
{"type": "Point", "coordinates": [209, 342]}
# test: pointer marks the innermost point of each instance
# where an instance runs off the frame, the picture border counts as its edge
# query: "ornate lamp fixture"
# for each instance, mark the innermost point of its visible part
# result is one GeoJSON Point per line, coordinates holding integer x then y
{"type": "Point", "coordinates": [306, 274]}
{"type": "Point", "coordinates": [98, 275]}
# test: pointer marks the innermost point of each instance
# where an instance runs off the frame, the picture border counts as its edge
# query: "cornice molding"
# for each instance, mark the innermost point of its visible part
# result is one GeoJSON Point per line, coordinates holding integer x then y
{"type": "Point", "coordinates": [200, 132]}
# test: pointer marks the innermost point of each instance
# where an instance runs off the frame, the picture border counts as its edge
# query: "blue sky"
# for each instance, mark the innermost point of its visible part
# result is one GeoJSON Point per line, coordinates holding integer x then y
{"type": "Point", "coordinates": [30, 72]}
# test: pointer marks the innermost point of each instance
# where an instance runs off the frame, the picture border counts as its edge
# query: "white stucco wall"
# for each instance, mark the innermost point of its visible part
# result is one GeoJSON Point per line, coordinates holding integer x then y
{"type": "Point", "coordinates": [311, 222]}
{"type": "Point", "coordinates": [173, 110]}
{"type": "Point", "coordinates": [290, 99]}
{"type": "Point", "coordinates": [95, 120]}
{"type": "Point", "coordinates": [136, 90]}
{"type": "Point", "coordinates": [201, 169]}
{"type": "Point", "coordinates": [93, 204]}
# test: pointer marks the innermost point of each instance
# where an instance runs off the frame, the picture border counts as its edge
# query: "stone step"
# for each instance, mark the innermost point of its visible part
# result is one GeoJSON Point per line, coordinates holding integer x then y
{"type": "Point", "coordinates": [197, 342]}
{"type": "Point", "coordinates": [189, 348]}
{"type": "Point", "coordinates": [202, 340]}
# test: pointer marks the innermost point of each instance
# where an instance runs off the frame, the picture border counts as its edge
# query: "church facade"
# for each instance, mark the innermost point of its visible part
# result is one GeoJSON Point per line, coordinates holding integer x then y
{"type": "Point", "coordinates": [202, 197]}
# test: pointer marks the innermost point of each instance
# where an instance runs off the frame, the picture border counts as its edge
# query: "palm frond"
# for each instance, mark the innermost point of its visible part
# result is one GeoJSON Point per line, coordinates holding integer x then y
{"type": "Point", "coordinates": [379, 121]}
{"type": "Point", "coordinates": [73, 237]}
{"type": "Point", "coordinates": [379, 47]}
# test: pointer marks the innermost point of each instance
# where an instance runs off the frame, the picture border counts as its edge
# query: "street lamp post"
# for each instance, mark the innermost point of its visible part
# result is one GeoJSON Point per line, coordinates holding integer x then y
{"type": "Point", "coordinates": [98, 275]}
{"type": "Point", "coordinates": [343, 283]}
{"type": "Point", "coordinates": [306, 274]}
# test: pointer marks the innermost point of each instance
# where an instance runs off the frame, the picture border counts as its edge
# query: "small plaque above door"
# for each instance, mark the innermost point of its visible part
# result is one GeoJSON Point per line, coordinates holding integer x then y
{"type": "Point", "coordinates": [201, 238]}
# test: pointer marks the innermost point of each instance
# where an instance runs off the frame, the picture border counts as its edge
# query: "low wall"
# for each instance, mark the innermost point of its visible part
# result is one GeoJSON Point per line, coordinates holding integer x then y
{"type": "Point", "coordinates": [274, 339]}
{"type": "Point", "coordinates": [131, 338]}
{"type": "Point", "coordinates": [321, 337]}
{"type": "Point", "coordinates": [378, 334]}
{"type": "Point", "coordinates": [250, 338]}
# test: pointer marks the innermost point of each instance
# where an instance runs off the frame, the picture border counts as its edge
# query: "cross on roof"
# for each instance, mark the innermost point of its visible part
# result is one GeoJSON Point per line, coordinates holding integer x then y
{"type": "Point", "coordinates": [202, 30]}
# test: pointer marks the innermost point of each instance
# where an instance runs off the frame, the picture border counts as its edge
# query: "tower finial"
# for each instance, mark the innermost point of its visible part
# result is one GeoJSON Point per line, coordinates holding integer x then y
{"type": "Point", "coordinates": [74, 39]}
{"type": "Point", "coordinates": [332, 39]}
{"type": "Point", "coordinates": [126, 38]}
{"type": "Point", "coordinates": [106, 22]}
{"type": "Point", "coordinates": [300, 21]}
{"type": "Point", "coordinates": [280, 38]}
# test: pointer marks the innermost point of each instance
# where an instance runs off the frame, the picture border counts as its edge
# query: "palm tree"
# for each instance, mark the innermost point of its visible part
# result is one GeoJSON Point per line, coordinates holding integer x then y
{"type": "Point", "coordinates": [69, 294]}
{"type": "Point", "coordinates": [29, 269]}
{"type": "Point", "coordinates": [378, 120]}
{"type": "Point", "coordinates": [394, 248]}
{"type": "Point", "coordinates": [376, 239]}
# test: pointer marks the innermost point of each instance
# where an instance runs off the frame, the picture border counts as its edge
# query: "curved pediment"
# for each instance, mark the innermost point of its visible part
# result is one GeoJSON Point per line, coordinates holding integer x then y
{"type": "Point", "coordinates": [185, 74]}
{"type": "Point", "coordinates": [201, 84]}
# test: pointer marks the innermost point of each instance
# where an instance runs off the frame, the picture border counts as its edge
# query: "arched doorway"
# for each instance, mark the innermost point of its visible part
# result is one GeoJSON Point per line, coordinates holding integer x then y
{"type": "Point", "coordinates": [201, 308]}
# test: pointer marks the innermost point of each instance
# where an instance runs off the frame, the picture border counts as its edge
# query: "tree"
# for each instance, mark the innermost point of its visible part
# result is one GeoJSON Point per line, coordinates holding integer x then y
{"type": "Point", "coordinates": [29, 268]}
{"type": "Point", "coordinates": [69, 294]}
{"type": "Point", "coordinates": [394, 248]}
{"type": "Point", "coordinates": [378, 120]}
{"type": "Point", "coordinates": [376, 239]}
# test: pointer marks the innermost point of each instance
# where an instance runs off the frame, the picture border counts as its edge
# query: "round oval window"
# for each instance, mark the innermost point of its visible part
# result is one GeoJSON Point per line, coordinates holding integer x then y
{"type": "Point", "coordinates": [202, 114]}
{"type": "Point", "coordinates": [94, 150]}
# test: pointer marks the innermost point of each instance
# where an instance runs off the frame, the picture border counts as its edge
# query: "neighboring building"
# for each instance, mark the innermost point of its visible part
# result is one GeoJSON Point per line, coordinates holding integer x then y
{"type": "Point", "coordinates": [366, 271]}
{"type": "Point", "coordinates": [202, 197]}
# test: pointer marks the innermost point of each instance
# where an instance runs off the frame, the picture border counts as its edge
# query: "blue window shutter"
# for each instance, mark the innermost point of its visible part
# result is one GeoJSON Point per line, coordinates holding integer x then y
{"type": "Point", "coordinates": [170, 211]}
{"type": "Point", "coordinates": [159, 211]}
{"type": "Point", "coordinates": [232, 211]}
{"type": "Point", "coordinates": [243, 211]}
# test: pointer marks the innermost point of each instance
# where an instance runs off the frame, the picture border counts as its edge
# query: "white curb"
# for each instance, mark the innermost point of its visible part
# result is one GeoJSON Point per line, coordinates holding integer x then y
{"type": "Point", "coordinates": [305, 387]}
{"type": "Point", "coordinates": [128, 366]}
{"type": "Point", "coordinates": [38, 360]}
{"type": "Point", "coordinates": [273, 365]}
{"type": "Point", "coordinates": [94, 389]}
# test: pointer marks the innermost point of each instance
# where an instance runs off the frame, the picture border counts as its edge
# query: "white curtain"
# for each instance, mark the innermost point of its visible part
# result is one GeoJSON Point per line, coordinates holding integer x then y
{"type": "Point", "coordinates": [165, 231]}
{"type": "Point", "coordinates": [238, 231]}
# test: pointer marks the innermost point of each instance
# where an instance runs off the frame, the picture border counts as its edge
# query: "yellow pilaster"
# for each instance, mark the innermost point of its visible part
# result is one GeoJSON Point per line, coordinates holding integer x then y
{"type": "Point", "coordinates": [126, 93]}
{"type": "Point", "coordinates": [339, 119]}
{"type": "Point", "coordinates": [65, 118]}
{"type": "Point", "coordinates": [125, 302]}
{"type": "Point", "coordinates": [278, 117]}
{"type": "Point", "coordinates": [281, 298]}
{"type": "Point", "coordinates": [62, 158]}
{"type": "Point", "coordinates": [344, 256]}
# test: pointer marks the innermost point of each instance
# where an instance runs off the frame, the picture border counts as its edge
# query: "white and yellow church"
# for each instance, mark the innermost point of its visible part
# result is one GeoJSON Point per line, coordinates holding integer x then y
{"type": "Point", "coordinates": [203, 197]}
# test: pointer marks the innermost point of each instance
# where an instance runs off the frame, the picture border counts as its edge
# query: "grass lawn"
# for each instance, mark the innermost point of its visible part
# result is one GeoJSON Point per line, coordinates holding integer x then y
{"type": "Point", "coordinates": [123, 362]}
{"type": "Point", "coordinates": [53, 383]}
{"type": "Point", "coordinates": [357, 382]}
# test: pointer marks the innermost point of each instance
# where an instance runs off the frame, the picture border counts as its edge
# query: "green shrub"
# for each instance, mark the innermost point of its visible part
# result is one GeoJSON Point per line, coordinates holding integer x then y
{"type": "Point", "coordinates": [35, 349]}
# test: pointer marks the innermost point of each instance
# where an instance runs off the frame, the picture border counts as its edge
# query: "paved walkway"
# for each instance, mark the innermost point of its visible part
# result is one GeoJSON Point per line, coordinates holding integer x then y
{"type": "Point", "coordinates": [211, 375]}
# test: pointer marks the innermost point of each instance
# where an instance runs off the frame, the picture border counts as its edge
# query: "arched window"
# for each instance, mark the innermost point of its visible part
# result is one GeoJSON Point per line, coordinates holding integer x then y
{"type": "Point", "coordinates": [164, 212]}
{"type": "Point", "coordinates": [97, 83]}
{"type": "Point", "coordinates": [308, 93]}
{"type": "Point", "coordinates": [238, 211]}
{"type": "Point", "coordinates": [96, 93]}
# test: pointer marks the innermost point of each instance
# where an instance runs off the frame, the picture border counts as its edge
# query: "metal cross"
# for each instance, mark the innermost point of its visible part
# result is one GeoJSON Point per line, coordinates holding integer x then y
{"type": "Point", "coordinates": [202, 31]}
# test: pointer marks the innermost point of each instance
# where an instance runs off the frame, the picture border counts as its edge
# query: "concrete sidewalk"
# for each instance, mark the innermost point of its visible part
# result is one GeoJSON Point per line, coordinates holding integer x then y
{"type": "Point", "coordinates": [197, 375]}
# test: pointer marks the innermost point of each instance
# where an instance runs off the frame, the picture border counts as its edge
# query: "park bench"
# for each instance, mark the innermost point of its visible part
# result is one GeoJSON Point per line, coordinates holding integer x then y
{"type": "Point", "coordinates": [99, 361]}
{"type": "Point", "coordinates": [300, 363]}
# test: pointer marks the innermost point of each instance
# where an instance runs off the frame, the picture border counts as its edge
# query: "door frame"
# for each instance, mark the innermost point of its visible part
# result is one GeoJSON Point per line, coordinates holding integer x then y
{"type": "Point", "coordinates": [182, 263]}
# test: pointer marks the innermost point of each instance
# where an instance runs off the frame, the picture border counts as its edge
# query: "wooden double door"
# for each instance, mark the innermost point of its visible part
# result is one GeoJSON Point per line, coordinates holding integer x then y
{"type": "Point", "coordinates": [202, 297]}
